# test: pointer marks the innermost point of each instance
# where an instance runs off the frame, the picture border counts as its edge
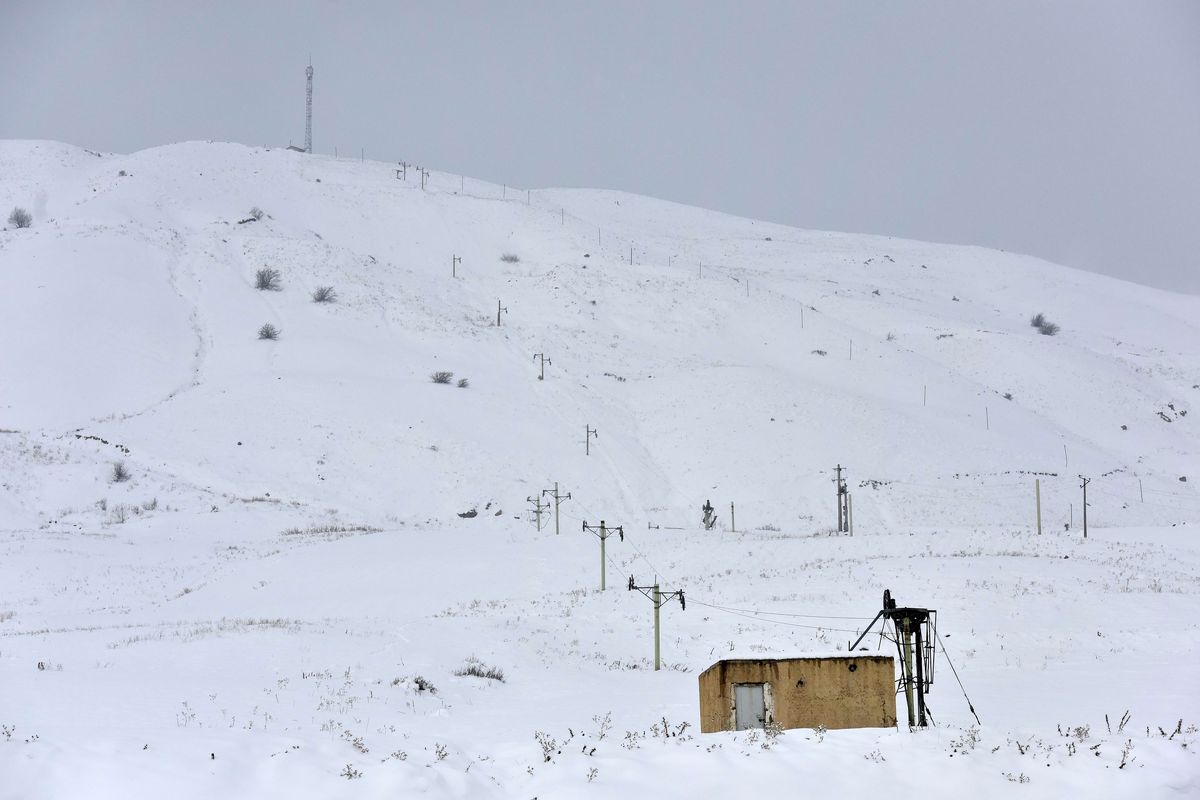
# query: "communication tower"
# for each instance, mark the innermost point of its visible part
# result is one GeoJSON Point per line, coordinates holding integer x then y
{"type": "Point", "coordinates": [308, 112]}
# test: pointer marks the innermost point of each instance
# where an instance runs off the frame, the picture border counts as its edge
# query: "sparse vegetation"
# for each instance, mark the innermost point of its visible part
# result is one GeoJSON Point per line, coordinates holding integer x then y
{"type": "Point", "coordinates": [256, 213]}
{"type": "Point", "coordinates": [267, 280]}
{"type": "Point", "coordinates": [463, 383]}
{"type": "Point", "coordinates": [268, 331]}
{"type": "Point", "coordinates": [324, 294]}
{"type": "Point", "coordinates": [1043, 325]}
{"type": "Point", "coordinates": [20, 218]}
{"type": "Point", "coordinates": [441, 376]}
{"type": "Point", "coordinates": [476, 668]}
{"type": "Point", "coordinates": [510, 258]}
{"type": "Point", "coordinates": [120, 473]}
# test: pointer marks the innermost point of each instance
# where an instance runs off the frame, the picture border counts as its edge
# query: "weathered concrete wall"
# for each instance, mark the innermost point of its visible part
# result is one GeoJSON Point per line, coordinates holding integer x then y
{"type": "Point", "coordinates": [849, 692]}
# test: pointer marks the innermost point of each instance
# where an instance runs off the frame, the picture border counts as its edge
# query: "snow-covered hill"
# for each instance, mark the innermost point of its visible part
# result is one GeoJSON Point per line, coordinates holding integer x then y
{"type": "Point", "coordinates": [291, 538]}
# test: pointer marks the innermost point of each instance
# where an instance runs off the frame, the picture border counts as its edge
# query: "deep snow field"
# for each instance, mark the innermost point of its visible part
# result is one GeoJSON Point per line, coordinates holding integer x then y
{"type": "Point", "coordinates": [276, 600]}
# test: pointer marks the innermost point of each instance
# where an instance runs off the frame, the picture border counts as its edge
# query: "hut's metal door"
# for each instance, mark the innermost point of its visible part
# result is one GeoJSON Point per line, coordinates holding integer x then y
{"type": "Point", "coordinates": [749, 708]}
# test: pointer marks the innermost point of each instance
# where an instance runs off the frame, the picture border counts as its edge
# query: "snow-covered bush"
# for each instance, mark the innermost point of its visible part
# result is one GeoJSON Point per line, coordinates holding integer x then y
{"type": "Point", "coordinates": [1044, 326]}
{"type": "Point", "coordinates": [119, 473]}
{"type": "Point", "coordinates": [20, 218]}
{"type": "Point", "coordinates": [441, 376]}
{"type": "Point", "coordinates": [267, 280]}
{"type": "Point", "coordinates": [510, 258]}
{"type": "Point", "coordinates": [268, 331]}
{"type": "Point", "coordinates": [324, 294]}
{"type": "Point", "coordinates": [477, 669]}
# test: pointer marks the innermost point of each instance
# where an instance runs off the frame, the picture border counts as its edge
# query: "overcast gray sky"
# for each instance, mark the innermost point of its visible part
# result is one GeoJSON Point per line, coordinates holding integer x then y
{"type": "Point", "coordinates": [1067, 129]}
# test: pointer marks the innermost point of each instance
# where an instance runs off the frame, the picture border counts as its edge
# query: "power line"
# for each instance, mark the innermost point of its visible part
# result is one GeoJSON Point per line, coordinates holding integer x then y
{"type": "Point", "coordinates": [779, 613]}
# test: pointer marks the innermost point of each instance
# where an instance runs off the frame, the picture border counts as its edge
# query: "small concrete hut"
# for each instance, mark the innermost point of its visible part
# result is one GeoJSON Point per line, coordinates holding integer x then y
{"type": "Point", "coordinates": [846, 691]}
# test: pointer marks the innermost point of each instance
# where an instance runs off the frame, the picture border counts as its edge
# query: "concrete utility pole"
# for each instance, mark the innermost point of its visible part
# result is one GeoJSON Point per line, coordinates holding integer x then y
{"type": "Point", "coordinates": [454, 262]}
{"type": "Point", "coordinates": [843, 502]}
{"type": "Point", "coordinates": [602, 533]}
{"type": "Point", "coordinates": [499, 308]}
{"type": "Point", "coordinates": [1083, 486]}
{"type": "Point", "coordinates": [587, 439]}
{"type": "Point", "coordinates": [538, 508]}
{"type": "Point", "coordinates": [1037, 495]}
{"type": "Point", "coordinates": [402, 173]}
{"type": "Point", "coordinates": [838, 479]}
{"type": "Point", "coordinates": [732, 520]}
{"type": "Point", "coordinates": [424, 176]}
{"type": "Point", "coordinates": [544, 362]}
{"type": "Point", "coordinates": [558, 498]}
{"type": "Point", "coordinates": [654, 592]}
{"type": "Point", "coordinates": [850, 513]}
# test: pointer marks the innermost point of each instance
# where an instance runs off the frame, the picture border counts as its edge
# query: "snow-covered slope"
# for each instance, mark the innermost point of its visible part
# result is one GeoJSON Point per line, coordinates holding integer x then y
{"type": "Point", "coordinates": [294, 505]}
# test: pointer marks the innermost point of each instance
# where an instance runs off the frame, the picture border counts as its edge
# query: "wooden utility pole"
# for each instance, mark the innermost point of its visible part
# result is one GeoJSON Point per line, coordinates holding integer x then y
{"type": "Point", "coordinates": [558, 498]}
{"type": "Point", "coordinates": [589, 432]}
{"type": "Point", "coordinates": [544, 362]}
{"type": "Point", "coordinates": [500, 308]}
{"type": "Point", "coordinates": [602, 533]}
{"type": "Point", "coordinates": [1037, 494]}
{"type": "Point", "coordinates": [656, 595]}
{"type": "Point", "coordinates": [1083, 486]}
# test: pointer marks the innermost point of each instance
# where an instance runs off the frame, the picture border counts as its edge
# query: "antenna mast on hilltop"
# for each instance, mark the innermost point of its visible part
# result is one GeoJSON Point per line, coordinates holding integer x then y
{"type": "Point", "coordinates": [308, 110]}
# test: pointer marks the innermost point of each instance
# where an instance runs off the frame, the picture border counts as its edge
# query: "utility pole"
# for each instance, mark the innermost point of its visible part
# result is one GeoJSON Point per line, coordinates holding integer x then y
{"type": "Point", "coordinates": [916, 629]}
{"type": "Point", "coordinates": [454, 262]}
{"type": "Point", "coordinates": [402, 173]}
{"type": "Point", "coordinates": [602, 533]}
{"type": "Point", "coordinates": [659, 599]}
{"type": "Point", "coordinates": [850, 513]}
{"type": "Point", "coordinates": [558, 498]}
{"type": "Point", "coordinates": [842, 502]}
{"type": "Point", "coordinates": [538, 508]}
{"type": "Point", "coordinates": [587, 439]}
{"type": "Point", "coordinates": [1037, 494]}
{"type": "Point", "coordinates": [1083, 486]}
{"type": "Point", "coordinates": [732, 520]}
{"type": "Point", "coordinates": [544, 362]}
{"type": "Point", "coordinates": [499, 308]}
{"type": "Point", "coordinates": [424, 176]}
